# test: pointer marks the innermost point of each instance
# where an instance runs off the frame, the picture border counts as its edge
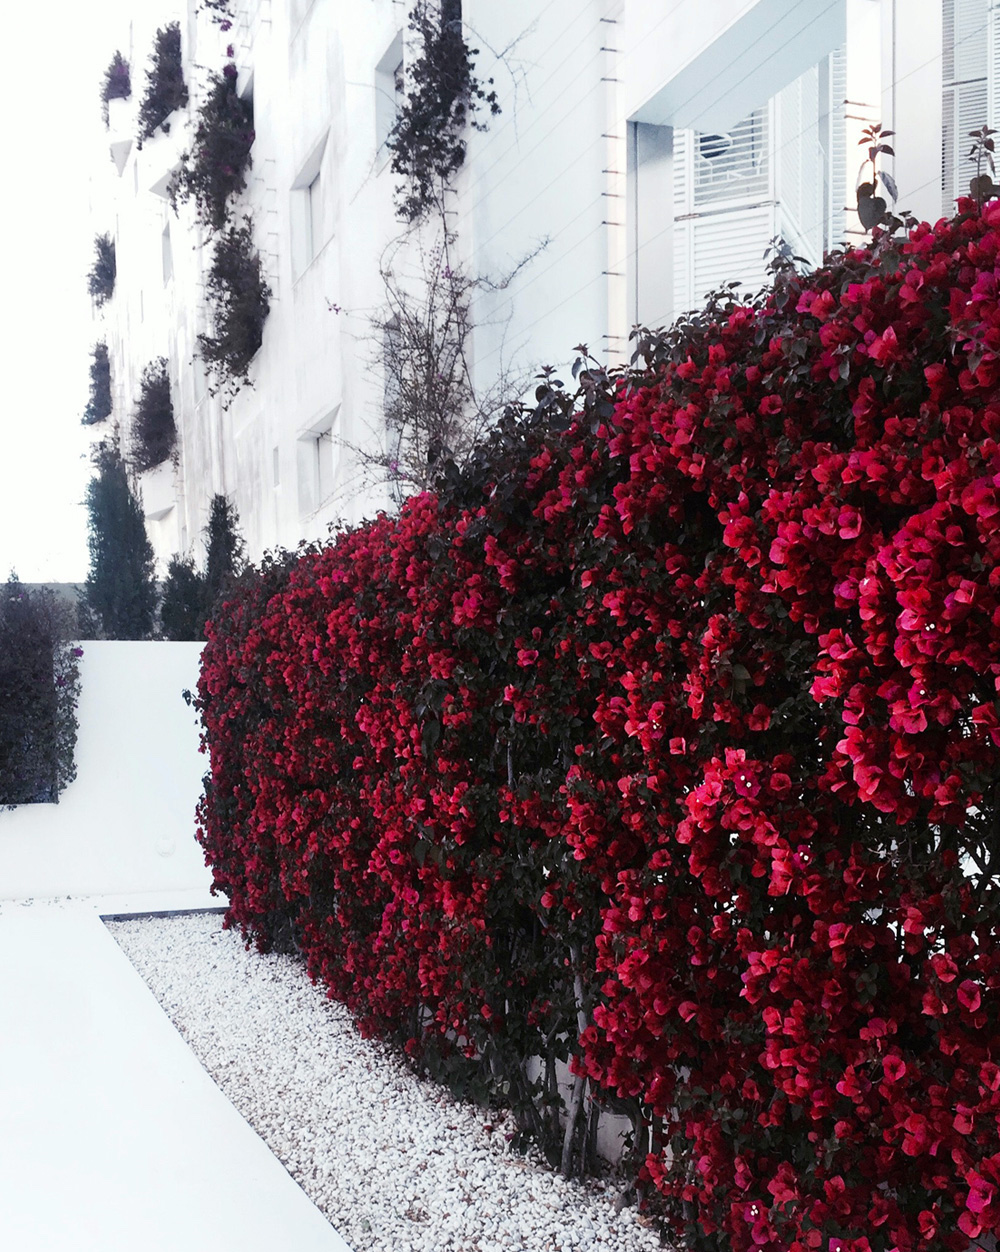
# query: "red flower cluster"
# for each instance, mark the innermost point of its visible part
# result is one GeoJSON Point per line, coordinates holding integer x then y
{"type": "Point", "coordinates": [672, 745]}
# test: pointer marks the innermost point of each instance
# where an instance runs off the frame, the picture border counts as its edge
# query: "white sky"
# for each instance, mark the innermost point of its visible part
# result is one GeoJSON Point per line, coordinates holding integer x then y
{"type": "Point", "coordinates": [52, 62]}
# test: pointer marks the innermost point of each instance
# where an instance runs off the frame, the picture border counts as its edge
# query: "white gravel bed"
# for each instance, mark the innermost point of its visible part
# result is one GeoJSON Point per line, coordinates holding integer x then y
{"type": "Point", "coordinates": [395, 1163]}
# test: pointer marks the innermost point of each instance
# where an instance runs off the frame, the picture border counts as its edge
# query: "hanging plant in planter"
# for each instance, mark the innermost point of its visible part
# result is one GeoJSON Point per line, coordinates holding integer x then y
{"type": "Point", "coordinates": [240, 300]}
{"type": "Point", "coordinates": [117, 83]}
{"type": "Point", "coordinates": [99, 404]}
{"type": "Point", "coordinates": [153, 431]}
{"type": "Point", "coordinates": [165, 86]}
{"type": "Point", "coordinates": [442, 96]}
{"type": "Point", "coordinates": [216, 167]}
{"type": "Point", "coordinates": [101, 279]}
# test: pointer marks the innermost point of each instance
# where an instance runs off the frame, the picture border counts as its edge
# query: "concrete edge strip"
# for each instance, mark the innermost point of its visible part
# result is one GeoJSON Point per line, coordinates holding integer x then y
{"type": "Point", "coordinates": [141, 913]}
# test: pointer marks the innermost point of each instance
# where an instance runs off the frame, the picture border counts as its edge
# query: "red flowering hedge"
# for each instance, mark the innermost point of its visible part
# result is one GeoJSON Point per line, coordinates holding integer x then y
{"type": "Point", "coordinates": [667, 738]}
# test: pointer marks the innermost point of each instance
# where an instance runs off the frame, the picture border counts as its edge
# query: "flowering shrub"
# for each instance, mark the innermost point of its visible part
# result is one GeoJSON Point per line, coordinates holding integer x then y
{"type": "Point", "coordinates": [666, 737]}
{"type": "Point", "coordinates": [39, 689]}
{"type": "Point", "coordinates": [165, 86]}
{"type": "Point", "coordinates": [216, 167]}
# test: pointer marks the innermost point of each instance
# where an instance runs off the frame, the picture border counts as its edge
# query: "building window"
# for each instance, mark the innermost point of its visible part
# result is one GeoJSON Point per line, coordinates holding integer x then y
{"type": "Point", "coordinates": [309, 231]}
{"type": "Point", "coordinates": [733, 164]}
{"type": "Point", "coordinates": [167, 255]}
{"type": "Point", "coordinates": [314, 217]}
{"type": "Point", "coordinates": [318, 457]}
{"type": "Point", "coordinates": [389, 87]}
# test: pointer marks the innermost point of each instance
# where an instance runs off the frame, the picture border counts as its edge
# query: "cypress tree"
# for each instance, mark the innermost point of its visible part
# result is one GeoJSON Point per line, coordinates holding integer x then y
{"type": "Point", "coordinates": [183, 609]}
{"type": "Point", "coordinates": [225, 549]}
{"type": "Point", "coordinates": [121, 591]}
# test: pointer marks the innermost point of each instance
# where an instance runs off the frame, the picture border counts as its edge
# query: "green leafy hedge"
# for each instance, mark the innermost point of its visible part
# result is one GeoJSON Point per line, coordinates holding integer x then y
{"type": "Point", "coordinates": [39, 689]}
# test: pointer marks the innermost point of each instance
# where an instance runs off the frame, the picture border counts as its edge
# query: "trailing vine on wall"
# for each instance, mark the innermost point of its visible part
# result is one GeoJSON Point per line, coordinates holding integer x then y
{"type": "Point", "coordinates": [442, 96]}
{"type": "Point", "coordinates": [153, 431]}
{"type": "Point", "coordinates": [218, 12]}
{"type": "Point", "coordinates": [215, 168]}
{"type": "Point", "coordinates": [240, 301]}
{"type": "Point", "coordinates": [99, 404]}
{"type": "Point", "coordinates": [117, 83]}
{"type": "Point", "coordinates": [165, 86]}
{"type": "Point", "coordinates": [101, 279]}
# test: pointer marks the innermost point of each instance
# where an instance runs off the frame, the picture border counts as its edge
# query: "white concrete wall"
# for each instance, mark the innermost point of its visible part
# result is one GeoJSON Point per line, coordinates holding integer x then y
{"type": "Point", "coordinates": [126, 824]}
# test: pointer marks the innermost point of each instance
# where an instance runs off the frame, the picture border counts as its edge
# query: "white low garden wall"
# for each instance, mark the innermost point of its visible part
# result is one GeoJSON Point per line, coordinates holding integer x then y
{"type": "Point", "coordinates": [126, 824]}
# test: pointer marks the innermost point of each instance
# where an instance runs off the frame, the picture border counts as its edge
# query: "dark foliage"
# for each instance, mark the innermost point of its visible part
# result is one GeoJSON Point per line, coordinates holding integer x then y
{"type": "Point", "coordinates": [120, 593]}
{"type": "Point", "coordinates": [182, 609]}
{"type": "Point", "coordinates": [216, 167]}
{"type": "Point", "coordinates": [117, 83]}
{"type": "Point", "coordinates": [99, 404]}
{"type": "Point", "coordinates": [240, 300]}
{"type": "Point", "coordinates": [39, 688]}
{"type": "Point", "coordinates": [225, 550]}
{"type": "Point", "coordinates": [442, 96]}
{"type": "Point", "coordinates": [188, 595]}
{"type": "Point", "coordinates": [101, 279]}
{"type": "Point", "coordinates": [165, 86]}
{"type": "Point", "coordinates": [153, 431]}
{"type": "Point", "coordinates": [219, 12]}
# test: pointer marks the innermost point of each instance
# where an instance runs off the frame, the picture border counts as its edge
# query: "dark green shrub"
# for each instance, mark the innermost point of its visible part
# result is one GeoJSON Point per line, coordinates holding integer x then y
{"type": "Point", "coordinates": [117, 83]}
{"type": "Point", "coordinates": [189, 596]}
{"type": "Point", "coordinates": [153, 431]}
{"type": "Point", "coordinates": [225, 549]}
{"type": "Point", "coordinates": [39, 689]}
{"type": "Point", "coordinates": [101, 279]}
{"type": "Point", "coordinates": [99, 404]}
{"type": "Point", "coordinates": [240, 300]}
{"type": "Point", "coordinates": [182, 609]}
{"type": "Point", "coordinates": [165, 86]}
{"type": "Point", "coordinates": [215, 169]}
{"type": "Point", "coordinates": [120, 592]}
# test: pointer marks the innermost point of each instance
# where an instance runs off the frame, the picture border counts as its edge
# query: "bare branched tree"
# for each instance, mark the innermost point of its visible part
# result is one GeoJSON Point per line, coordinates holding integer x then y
{"type": "Point", "coordinates": [432, 409]}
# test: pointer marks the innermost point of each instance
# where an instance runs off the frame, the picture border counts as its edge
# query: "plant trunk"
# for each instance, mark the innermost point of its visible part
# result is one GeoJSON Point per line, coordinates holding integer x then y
{"type": "Point", "coordinates": [579, 1082]}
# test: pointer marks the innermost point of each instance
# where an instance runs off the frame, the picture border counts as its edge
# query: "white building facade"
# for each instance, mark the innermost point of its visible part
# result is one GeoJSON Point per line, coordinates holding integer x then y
{"type": "Point", "coordinates": [646, 152]}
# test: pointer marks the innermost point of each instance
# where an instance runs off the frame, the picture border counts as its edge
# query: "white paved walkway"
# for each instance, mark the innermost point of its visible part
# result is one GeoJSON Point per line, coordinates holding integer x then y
{"type": "Point", "coordinates": [112, 1136]}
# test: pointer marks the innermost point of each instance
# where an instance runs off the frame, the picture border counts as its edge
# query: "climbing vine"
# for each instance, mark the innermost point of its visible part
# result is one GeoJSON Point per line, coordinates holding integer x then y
{"type": "Point", "coordinates": [442, 96]}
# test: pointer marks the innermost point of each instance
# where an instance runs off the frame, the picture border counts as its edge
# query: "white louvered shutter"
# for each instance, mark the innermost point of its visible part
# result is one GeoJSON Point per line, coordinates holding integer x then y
{"type": "Point", "coordinates": [966, 103]}
{"type": "Point", "coordinates": [800, 172]}
{"type": "Point", "coordinates": [723, 205]}
{"type": "Point", "coordinates": [840, 194]}
{"type": "Point", "coordinates": [993, 65]}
